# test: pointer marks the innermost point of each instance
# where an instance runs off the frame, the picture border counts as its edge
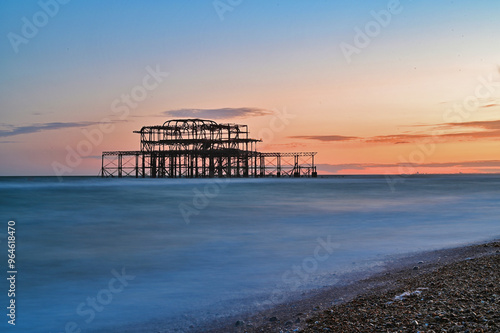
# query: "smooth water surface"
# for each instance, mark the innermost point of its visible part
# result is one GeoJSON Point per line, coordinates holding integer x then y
{"type": "Point", "coordinates": [190, 248]}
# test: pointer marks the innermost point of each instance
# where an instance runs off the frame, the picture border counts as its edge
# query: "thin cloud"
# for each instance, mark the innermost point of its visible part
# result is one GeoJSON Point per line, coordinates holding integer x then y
{"type": "Point", "coordinates": [397, 138]}
{"type": "Point", "coordinates": [281, 146]}
{"type": "Point", "coordinates": [489, 125]}
{"type": "Point", "coordinates": [326, 138]}
{"type": "Point", "coordinates": [19, 130]}
{"type": "Point", "coordinates": [366, 166]}
{"type": "Point", "coordinates": [466, 164]}
{"type": "Point", "coordinates": [221, 113]}
{"type": "Point", "coordinates": [461, 136]}
{"type": "Point", "coordinates": [489, 105]}
{"type": "Point", "coordinates": [465, 131]}
{"type": "Point", "coordinates": [485, 130]}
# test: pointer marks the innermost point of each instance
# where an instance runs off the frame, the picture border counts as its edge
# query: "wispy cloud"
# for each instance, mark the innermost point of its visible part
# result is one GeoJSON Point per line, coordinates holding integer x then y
{"type": "Point", "coordinates": [333, 168]}
{"type": "Point", "coordinates": [221, 113]}
{"type": "Point", "coordinates": [12, 130]}
{"type": "Point", "coordinates": [396, 138]}
{"type": "Point", "coordinates": [281, 146]}
{"type": "Point", "coordinates": [34, 128]}
{"type": "Point", "coordinates": [465, 131]}
{"type": "Point", "coordinates": [466, 164]}
{"type": "Point", "coordinates": [328, 138]}
{"type": "Point", "coordinates": [446, 137]}
{"type": "Point", "coordinates": [490, 105]}
{"type": "Point", "coordinates": [489, 125]}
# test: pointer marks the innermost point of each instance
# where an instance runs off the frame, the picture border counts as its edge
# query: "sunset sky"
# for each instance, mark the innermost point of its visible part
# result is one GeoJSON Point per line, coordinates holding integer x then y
{"type": "Point", "coordinates": [373, 86]}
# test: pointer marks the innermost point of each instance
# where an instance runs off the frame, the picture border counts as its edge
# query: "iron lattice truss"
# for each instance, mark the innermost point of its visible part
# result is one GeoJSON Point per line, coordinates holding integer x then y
{"type": "Point", "coordinates": [193, 148]}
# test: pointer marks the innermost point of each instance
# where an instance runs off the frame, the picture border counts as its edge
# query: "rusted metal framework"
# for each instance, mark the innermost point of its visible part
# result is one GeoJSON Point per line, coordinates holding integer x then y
{"type": "Point", "coordinates": [193, 148]}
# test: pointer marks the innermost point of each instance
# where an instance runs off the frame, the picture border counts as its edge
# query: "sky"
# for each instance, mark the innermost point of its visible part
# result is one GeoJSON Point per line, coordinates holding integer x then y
{"type": "Point", "coordinates": [374, 87]}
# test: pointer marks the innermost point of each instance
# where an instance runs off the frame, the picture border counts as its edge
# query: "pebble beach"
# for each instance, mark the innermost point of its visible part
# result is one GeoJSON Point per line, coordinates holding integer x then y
{"type": "Point", "coordinates": [451, 290]}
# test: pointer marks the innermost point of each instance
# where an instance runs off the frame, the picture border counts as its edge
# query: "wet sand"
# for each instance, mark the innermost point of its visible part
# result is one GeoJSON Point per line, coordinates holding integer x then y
{"type": "Point", "coordinates": [456, 290]}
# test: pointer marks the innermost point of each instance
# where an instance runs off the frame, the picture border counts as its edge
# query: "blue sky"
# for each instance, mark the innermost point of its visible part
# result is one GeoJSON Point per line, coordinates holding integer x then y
{"type": "Point", "coordinates": [263, 54]}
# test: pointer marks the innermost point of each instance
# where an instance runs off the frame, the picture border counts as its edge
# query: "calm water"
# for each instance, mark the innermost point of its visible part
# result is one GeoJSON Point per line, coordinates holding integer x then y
{"type": "Point", "coordinates": [187, 249]}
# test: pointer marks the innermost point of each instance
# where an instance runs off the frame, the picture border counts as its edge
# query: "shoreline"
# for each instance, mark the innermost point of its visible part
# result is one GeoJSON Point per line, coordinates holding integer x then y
{"type": "Point", "coordinates": [308, 313]}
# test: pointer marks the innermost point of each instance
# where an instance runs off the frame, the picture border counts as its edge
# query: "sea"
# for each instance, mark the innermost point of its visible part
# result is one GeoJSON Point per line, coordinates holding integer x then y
{"type": "Point", "coordinates": [139, 255]}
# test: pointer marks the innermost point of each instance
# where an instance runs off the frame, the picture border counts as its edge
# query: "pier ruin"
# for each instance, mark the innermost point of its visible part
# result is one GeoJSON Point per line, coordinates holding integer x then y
{"type": "Point", "coordinates": [192, 148]}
